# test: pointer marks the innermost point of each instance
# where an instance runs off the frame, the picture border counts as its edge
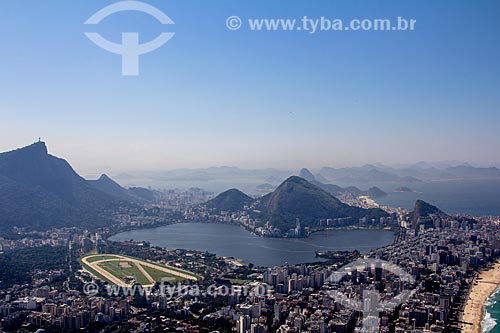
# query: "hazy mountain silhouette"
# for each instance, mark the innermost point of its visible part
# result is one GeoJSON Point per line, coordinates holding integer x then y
{"type": "Point", "coordinates": [40, 191]}
{"type": "Point", "coordinates": [366, 173]}
{"type": "Point", "coordinates": [112, 188]}
{"type": "Point", "coordinates": [376, 192]}
{"type": "Point", "coordinates": [144, 193]}
{"type": "Point", "coordinates": [307, 175]}
{"type": "Point", "coordinates": [336, 190]}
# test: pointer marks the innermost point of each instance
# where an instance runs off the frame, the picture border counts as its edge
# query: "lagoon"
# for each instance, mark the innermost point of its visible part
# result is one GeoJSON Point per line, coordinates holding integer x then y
{"type": "Point", "coordinates": [234, 241]}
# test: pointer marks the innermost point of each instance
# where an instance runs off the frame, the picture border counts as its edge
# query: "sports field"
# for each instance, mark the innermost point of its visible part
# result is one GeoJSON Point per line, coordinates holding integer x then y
{"type": "Point", "coordinates": [125, 271]}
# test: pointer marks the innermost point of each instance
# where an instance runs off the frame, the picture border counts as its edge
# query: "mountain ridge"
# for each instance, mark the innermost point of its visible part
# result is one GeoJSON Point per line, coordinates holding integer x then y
{"type": "Point", "coordinates": [335, 190]}
{"type": "Point", "coordinates": [41, 191]}
{"type": "Point", "coordinates": [298, 198]}
{"type": "Point", "coordinates": [107, 185]}
{"type": "Point", "coordinates": [294, 198]}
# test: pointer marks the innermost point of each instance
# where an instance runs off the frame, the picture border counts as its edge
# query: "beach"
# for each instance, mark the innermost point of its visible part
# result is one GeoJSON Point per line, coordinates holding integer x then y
{"type": "Point", "coordinates": [368, 201]}
{"type": "Point", "coordinates": [485, 285]}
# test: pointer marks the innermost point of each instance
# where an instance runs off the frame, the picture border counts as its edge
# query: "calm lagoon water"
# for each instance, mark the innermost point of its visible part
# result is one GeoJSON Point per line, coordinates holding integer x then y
{"type": "Point", "coordinates": [234, 241]}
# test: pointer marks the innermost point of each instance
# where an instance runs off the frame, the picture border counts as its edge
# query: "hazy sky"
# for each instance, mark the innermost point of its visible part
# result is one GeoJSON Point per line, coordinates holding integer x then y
{"type": "Point", "coordinates": [212, 96]}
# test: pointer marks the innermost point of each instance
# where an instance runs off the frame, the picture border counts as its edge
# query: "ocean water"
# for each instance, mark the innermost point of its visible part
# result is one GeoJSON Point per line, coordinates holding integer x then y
{"type": "Point", "coordinates": [492, 313]}
{"type": "Point", "coordinates": [471, 196]}
{"type": "Point", "coordinates": [476, 197]}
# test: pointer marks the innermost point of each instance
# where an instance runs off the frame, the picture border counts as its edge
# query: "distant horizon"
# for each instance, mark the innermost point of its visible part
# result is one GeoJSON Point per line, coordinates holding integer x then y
{"type": "Point", "coordinates": [95, 173]}
{"type": "Point", "coordinates": [91, 164]}
{"type": "Point", "coordinates": [213, 95]}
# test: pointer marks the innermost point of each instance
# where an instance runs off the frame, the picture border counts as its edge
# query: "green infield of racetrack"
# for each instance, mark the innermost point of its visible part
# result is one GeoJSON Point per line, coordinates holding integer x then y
{"type": "Point", "coordinates": [160, 276]}
{"type": "Point", "coordinates": [123, 269]}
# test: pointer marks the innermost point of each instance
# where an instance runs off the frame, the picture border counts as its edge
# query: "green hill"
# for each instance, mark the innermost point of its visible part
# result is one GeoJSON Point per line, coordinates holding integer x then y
{"type": "Point", "coordinates": [231, 200]}
{"type": "Point", "coordinates": [297, 198]}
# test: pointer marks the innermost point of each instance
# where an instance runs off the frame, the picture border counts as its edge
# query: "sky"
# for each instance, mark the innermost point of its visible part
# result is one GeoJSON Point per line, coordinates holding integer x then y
{"type": "Point", "coordinates": [212, 96]}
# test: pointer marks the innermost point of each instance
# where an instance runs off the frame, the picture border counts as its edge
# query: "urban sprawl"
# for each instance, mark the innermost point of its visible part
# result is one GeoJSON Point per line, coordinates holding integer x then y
{"type": "Point", "coordinates": [442, 255]}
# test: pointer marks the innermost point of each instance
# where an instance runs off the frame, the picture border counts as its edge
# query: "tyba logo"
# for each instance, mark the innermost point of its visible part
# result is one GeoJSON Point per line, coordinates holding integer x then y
{"type": "Point", "coordinates": [130, 49]}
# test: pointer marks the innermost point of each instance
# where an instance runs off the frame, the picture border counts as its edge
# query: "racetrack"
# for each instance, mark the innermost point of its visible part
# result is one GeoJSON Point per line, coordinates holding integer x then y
{"type": "Point", "coordinates": [140, 264]}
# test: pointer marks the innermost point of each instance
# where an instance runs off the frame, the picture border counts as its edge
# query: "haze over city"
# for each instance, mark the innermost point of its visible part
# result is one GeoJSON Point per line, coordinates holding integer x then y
{"type": "Point", "coordinates": [283, 99]}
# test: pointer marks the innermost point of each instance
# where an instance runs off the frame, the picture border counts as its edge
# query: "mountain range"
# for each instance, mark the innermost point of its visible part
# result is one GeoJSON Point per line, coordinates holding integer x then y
{"type": "Point", "coordinates": [255, 181]}
{"type": "Point", "coordinates": [134, 194]}
{"type": "Point", "coordinates": [40, 191]}
{"type": "Point", "coordinates": [294, 198]}
{"type": "Point", "coordinates": [373, 192]}
{"type": "Point", "coordinates": [407, 174]}
{"type": "Point", "coordinates": [364, 174]}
